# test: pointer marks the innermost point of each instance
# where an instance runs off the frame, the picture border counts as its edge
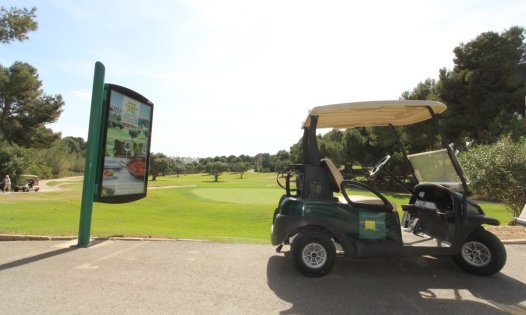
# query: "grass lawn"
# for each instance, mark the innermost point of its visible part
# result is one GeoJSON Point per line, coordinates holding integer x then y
{"type": "Point", "coordinates": [233, 209]}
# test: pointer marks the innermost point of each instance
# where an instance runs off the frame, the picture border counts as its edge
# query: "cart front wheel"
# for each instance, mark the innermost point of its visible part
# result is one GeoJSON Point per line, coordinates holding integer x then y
{"type": "Point", "coordinates": [481, 254]}
{"type": "Point", "coordinates": [313, 253]}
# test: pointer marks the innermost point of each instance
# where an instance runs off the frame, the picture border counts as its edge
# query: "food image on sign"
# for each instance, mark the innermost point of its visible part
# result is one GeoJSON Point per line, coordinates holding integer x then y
{"type": "Point", "coordinates": [124, 169]}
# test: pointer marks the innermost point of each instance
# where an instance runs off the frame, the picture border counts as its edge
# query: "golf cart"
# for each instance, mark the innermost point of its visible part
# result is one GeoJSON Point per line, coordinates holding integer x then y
{"type": "Point", "coordinates": [318, 223]}
{"type": "Point", "coordinates": [26, 183]}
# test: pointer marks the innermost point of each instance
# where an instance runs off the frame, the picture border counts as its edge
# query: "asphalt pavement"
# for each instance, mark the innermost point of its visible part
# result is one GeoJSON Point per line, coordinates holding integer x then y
{"type": "Point", "coordinates": [191, 277]}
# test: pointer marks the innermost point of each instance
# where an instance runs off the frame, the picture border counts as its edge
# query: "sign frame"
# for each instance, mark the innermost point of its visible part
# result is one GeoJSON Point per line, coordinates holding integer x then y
{"type": "Point", "coordinates": [117, 177]}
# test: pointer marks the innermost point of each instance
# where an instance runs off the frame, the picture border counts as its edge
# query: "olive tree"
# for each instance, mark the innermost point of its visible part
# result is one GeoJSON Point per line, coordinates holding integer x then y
{"type": "Point", "coordinates": [241, 168]}
{"type": "Point", "coordinates": [498, 171]}
{"type": "Point", "coordinates": [216, 169]}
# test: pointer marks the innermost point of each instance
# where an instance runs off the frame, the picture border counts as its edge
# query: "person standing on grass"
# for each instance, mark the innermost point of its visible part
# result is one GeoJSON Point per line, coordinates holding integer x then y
{"type": "Point", "coordinates": [7, 183]}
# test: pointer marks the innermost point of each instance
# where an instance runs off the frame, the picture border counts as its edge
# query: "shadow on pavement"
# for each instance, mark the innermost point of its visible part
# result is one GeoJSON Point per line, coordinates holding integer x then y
{"type": "Point", "coordinates": [422, 285]}
{"type": "Point", "coordinates": [32, 259]}
{"type": "Point", "coordinates": [53, 253]}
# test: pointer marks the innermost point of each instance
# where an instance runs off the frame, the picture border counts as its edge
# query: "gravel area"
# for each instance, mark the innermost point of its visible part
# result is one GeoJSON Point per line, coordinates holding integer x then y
{"type": "Point", "coordinates": [508, 232]}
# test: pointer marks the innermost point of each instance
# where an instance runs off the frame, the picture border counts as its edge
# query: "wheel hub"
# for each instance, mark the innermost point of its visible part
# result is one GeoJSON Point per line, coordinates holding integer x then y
{"type": "Point", "coordinates": [476, 254]}
{"type": "Point", "coordinates": [314, 255]}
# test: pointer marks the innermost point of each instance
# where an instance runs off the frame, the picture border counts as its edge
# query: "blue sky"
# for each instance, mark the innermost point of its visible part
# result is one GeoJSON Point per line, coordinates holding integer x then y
{"type": "Point", "coordinates": [238, 77]}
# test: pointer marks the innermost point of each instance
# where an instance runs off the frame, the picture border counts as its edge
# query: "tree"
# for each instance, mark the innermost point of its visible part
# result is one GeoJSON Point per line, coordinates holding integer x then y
{"type": "Point", "coordinates": [25, 109]}
{"type": "Point", "coordinates": [75, 145]}
{"type": "Point", "coordinates": [56, 158]}
{"type": "Point", "coordinates": [263, 162]}
{"type": "Point", "coordinates": [13, 160]}
{"type": "Point", "coordinates": [296, 152]}
{"type": "Point", "coordinates": [498, 171]}
{"type": "Point", "coordinates": [159, 164]}
{"type": "Point", "coordinates": [241, 168]}
{"type": "Point", "coordinates": [216, 169]}
{"type": "Point", "coordinates": [247, 158]}
{"type": "Point", "coordinates": [178, 168]}
{"type": "Point", "coordinates": [488, 79]}
{"type": "Point", "coordinates": [76, 148]}
{"type": "Point", "coordinates": [356, 149]}
{"type": "Point", "coordinates": [331, 146]}
{"type": "Point", "coordinates": [16, 23]}
{"type": "Point", "coordinates": [423, 136]}
{"type": "Point", "coordinates": [280, 161]}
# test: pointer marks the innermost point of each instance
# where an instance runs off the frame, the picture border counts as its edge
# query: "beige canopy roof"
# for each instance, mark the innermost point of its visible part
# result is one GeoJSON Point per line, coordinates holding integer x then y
{"type": "Point", "coordinates": [374, 113]}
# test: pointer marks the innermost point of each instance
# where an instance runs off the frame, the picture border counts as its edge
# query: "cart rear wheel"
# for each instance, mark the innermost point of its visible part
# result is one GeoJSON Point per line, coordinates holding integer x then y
{"type": "Point", "coordinates": [313, 253]}
{"type": "Point", "coordinates": [481, 254]}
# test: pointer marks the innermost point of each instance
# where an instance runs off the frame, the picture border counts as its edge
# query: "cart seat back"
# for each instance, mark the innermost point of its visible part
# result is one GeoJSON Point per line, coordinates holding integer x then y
{"type": "Point", "coordinates": [335, 175]}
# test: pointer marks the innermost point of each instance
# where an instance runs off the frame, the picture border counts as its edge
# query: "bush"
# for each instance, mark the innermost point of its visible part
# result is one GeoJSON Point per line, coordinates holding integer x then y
{"type": "Point", "coordinates": [13, 160]}
{"type": "Point", "coordinates": [498, 171]}
{"type": "Point", "coordinates": [50, 162]}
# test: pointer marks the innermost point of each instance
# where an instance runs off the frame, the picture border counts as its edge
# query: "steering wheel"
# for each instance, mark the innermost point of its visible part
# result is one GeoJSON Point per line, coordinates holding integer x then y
{"type": "Point", "coordinates": [379, 166]}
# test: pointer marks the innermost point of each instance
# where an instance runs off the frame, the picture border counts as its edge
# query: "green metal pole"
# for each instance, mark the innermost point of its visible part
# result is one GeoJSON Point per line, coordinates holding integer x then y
{"type": "Point", "coordinates": [92, 155]}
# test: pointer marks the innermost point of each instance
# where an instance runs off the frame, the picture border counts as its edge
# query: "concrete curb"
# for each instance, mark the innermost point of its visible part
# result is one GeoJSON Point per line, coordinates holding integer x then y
{"type": "Point", "coordinates": [517, 241]}
{"type": "Point", "coordinates": [7, 237]}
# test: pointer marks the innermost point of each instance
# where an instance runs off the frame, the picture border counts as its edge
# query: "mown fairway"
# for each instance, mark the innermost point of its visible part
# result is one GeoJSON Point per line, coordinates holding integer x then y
{"type": "Point", "coordinates": [191, 206]}
{"type": "Point", "coordinates": [232, 209]}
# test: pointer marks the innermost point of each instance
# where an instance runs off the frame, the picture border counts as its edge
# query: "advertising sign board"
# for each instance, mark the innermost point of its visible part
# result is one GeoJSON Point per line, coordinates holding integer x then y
{"type": "Point", "coordinates": [127, 125]}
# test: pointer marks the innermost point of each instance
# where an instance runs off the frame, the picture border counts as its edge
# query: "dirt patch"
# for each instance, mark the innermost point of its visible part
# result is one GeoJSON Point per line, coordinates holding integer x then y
{"type": "Point", "coordinates": [508, 232]}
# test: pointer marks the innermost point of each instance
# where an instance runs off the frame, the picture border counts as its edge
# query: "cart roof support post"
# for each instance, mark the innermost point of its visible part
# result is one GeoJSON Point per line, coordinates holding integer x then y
{"type": "Point", "coordinates": [311, 153]}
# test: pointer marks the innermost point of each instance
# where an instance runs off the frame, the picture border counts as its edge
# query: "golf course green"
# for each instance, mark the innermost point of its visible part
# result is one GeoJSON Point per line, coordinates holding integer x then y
{"type": "Point", "coordinates": [189, 206]}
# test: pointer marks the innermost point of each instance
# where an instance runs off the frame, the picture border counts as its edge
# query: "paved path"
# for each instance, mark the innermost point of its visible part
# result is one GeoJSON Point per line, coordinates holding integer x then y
{"type": "Point", "coordinates": [189, 277]}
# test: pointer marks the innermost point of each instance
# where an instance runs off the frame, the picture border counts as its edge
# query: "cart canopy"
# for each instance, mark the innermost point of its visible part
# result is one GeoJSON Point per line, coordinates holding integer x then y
{"type": "Point", "coordinates": [374, 113]}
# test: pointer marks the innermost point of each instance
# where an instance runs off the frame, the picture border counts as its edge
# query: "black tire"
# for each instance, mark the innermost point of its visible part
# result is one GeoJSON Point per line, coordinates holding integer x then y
{"type": "Point", "coordinates": [481, 254]}
{"type": "Point", "coordinates": [25, 189]}
{"type": "Point", "coordinates": [313, 253]}
{"type": "Point", "coordinates": [15, 189]}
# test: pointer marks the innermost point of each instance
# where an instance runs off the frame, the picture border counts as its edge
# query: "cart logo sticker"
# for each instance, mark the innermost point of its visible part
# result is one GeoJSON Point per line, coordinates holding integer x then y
{"type": "Point", "coordinates": [370, 225]}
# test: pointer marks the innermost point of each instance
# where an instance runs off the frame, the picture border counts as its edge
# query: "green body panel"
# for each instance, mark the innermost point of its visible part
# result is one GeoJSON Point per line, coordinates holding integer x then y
{"type": "Point", "coordinates": [353, 222]}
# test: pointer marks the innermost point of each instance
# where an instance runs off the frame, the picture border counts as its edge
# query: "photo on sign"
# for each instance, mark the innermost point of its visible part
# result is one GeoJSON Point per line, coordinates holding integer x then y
{"type": "Point", "coordinates": [126, 146]}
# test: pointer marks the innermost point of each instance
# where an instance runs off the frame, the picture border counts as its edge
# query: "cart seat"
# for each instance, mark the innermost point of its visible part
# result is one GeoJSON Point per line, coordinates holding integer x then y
{"type": "Point", "coordinates": [334, 174]}
{"type": "Point", "coordinates": [337, 179]}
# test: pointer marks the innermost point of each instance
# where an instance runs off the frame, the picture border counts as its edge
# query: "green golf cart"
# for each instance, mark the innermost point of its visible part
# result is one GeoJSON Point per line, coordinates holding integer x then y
{"type": "Point", "coordinates": [322, 216]}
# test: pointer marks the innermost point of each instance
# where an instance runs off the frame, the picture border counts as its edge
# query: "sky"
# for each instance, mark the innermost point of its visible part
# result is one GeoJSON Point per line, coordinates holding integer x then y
{"type": "Point", "coordinates": [239, 77]}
